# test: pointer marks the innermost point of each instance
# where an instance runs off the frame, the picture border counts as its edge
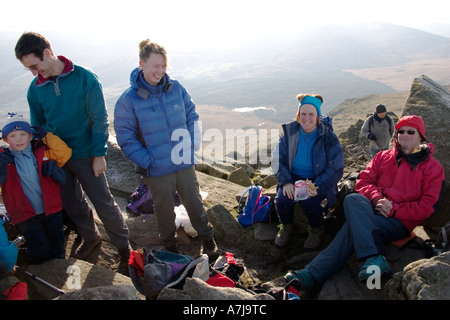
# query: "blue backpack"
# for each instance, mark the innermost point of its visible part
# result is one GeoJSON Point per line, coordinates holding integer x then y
{"type": "Point", "coordinates": [257, 207]}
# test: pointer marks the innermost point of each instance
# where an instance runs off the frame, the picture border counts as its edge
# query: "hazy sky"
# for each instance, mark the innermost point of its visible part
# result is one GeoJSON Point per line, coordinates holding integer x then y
{"type": "Point", "coordinates": [208, 22]}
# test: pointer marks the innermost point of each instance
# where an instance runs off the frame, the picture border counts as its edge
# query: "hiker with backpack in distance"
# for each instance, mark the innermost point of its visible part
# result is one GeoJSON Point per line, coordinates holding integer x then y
{"type": "Point", "coordinates": [399, 189]}
{"type": "Point", "coordinates": [378, 128]}
{"type": "Point", "coordinates": [147, 117]}
{"type": "Point", "coordinates": [307, 150]}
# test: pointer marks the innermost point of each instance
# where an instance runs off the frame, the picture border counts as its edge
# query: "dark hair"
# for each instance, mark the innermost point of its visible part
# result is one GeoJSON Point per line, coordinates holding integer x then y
{"type": "Point", "coordinates": [32, 42]}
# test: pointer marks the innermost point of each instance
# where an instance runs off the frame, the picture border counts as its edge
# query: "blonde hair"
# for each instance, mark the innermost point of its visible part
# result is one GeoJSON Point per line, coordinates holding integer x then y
{"type": "Point", "coordinates": [300, 97]}
{"type": "Point", "coordinates": [146, 48]}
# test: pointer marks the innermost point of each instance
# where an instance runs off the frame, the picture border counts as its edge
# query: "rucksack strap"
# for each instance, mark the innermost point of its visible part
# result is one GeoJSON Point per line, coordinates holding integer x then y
{"type": "Point", "coordinates": [240, 200]}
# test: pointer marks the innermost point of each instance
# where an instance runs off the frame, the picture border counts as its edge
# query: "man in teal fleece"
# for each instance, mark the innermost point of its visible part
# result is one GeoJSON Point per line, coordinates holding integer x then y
{"type": "Point", "coordinates": [67, 100]}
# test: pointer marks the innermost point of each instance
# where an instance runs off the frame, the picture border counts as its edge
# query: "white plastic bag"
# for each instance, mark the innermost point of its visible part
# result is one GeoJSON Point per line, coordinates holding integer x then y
{"type": "Point", "coordinates": [301, 190]}
{"type": "Point", "coordinates": [182, 220]}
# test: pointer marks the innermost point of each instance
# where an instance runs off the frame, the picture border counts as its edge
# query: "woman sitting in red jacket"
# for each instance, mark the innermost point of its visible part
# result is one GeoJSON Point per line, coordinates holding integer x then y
{"type": "Point", "coordinates": [399, 189]}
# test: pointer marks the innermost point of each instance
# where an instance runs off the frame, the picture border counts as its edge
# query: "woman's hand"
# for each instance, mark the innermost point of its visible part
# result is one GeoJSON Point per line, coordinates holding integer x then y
{"type": "Point", "coordinates": [288, 190]}
{"type": "Point", "coordinates": [311, 192]}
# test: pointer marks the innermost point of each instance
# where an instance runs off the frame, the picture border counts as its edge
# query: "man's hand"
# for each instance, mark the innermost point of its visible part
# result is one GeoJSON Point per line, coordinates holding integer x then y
{"type": "Point", "coordinates": [99, 166]}
{"type": "Point", "coordinates": [383, 207]}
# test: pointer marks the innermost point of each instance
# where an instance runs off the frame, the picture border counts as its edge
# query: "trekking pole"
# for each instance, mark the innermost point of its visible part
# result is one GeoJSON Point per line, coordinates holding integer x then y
{"type": "Point", "coordinates": [45, 282]}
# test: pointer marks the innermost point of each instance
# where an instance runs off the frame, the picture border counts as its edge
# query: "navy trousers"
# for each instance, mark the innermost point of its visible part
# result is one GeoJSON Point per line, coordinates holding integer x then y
{"type": "Point", "coordinates": [311, 207]}
{"type": "Point", "coordinates": [363, 233]}
{"type": "Point", "coordinates": [44, 235]}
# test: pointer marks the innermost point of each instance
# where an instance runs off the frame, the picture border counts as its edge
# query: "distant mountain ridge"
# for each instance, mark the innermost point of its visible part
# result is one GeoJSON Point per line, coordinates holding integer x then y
{"type": "Point", "coordinates": [326, 61]}
{"type": "Point", "coordinates": [339, 62]}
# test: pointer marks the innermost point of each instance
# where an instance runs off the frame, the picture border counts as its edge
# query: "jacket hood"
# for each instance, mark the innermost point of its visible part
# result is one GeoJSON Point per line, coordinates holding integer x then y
{"type": "Point", "coordinates": [134, 78]}
{"type": "Point", "coordinates": [426, 151]}
{"type": "Point", "coordinates": [144, 90]}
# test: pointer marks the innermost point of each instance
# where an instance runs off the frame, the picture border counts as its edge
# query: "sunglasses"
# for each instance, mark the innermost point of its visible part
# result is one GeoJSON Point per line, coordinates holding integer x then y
{"type": "Point", "coordinates": [410, 132]}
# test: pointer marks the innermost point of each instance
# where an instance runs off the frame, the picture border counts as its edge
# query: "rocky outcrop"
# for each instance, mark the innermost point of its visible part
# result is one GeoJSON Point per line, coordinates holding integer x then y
{"type": "Point", "coordinates": [431, 101]}
{"type": "Point", "coordinates": [424, 279]}
{"type": "Point", "coordinates": [72, 275]}
{"type": "Point", "coordinates": [112, 292]}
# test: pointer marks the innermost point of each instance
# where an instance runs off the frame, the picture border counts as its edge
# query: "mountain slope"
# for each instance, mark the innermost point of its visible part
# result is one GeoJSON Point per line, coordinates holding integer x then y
{"type": "Point", "coordinates": [339, 62]}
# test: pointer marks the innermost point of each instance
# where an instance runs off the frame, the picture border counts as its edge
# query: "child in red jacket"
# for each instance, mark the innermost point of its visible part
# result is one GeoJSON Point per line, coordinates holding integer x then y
{"type": "Point", "coordinates": [30, 174]}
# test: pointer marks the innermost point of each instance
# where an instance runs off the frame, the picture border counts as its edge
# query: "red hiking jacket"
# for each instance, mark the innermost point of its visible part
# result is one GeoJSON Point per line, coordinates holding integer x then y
{"type": "Point", "coordinates": [17, 204]}
{"type": "Point", "coordinates": [416, 187]}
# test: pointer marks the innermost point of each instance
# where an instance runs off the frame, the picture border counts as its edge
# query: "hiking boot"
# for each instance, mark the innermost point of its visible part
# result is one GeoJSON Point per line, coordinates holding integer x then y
{"type": "Point", "coordinates": [210, 248]}
{"type": "Point", "coordinates": [315, 236]}
{"type": "Point", "coordinates": [283, 234]}
{"type": "Point", "coordinates": [86, 248]}
{"type": "Point", "coordinates": [125, 253]}
{"type": "Point", "coordinates": [375, 261]}
{"type": "Point", "coordinates": [306, 281]}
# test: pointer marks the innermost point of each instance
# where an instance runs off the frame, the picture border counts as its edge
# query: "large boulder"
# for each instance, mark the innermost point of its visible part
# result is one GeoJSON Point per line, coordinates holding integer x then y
{"type": "Point", "coordinates": [424, 279]}
{"type": "Point", "coordinates": [112, 292]}
{"type": "Point", "coordinates": [121, 172]}
{"type": "Point", "coordinates": [431, 101]}
{"type": "Point", "coordinates": [71, 275]}
{"type": "Point", "coordinates": [196, 289]}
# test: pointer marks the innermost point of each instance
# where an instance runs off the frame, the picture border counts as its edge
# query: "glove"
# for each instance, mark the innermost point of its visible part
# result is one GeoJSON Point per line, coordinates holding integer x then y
{"type": "Point", "coordinates": [51, 169]}
{"type": "Point", "coordinates": [371, 136]}
{"type": "Point", "coordinates": [39, 132]}
{"type": "Point", "coordinates": [6, 157]}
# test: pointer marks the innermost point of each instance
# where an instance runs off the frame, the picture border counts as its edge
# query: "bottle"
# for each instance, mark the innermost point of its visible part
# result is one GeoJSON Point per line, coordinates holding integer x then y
{"type": "Point", "coordinates": [20, 241]}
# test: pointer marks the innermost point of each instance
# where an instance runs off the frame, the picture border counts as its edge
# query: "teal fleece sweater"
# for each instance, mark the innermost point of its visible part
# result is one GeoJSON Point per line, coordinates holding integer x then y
{"type": "Point", "coordinates": [72, 106]}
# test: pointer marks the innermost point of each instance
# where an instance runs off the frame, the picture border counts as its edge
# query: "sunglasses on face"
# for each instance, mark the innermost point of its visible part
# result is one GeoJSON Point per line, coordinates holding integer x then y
{"type": "Point", "coordinates": [410, 132]}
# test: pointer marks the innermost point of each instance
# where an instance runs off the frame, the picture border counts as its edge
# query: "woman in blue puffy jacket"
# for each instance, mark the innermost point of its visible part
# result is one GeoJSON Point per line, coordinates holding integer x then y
{"type": "Point", "coordinates": [156, 126]}
{"type": "Point", "coordinates": [308, 151]}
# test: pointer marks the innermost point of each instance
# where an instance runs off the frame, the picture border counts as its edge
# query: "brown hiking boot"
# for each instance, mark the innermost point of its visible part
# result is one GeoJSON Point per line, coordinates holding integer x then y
{"type": "Point", "coordinates": [210, 248]}
{"type": "Point", "coordinates": [283, 234]}
{"type": "Point", "coordinates": [315, 237]}
{"type": "Point", "coordinates": [85, 248]}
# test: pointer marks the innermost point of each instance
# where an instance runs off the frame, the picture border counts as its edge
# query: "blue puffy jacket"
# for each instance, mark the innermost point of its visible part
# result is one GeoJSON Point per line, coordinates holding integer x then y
{"type": "Point", "coordinates": [328, 160]}
{"type": "Point", "coordinates": [155, 125]}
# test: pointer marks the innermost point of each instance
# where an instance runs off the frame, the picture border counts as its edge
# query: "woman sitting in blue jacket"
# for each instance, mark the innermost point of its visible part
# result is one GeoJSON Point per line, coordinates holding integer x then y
{"type": "Point", "coordinates": [156, 126]}
{"type": "Point", "coordinates": [308, 151]}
